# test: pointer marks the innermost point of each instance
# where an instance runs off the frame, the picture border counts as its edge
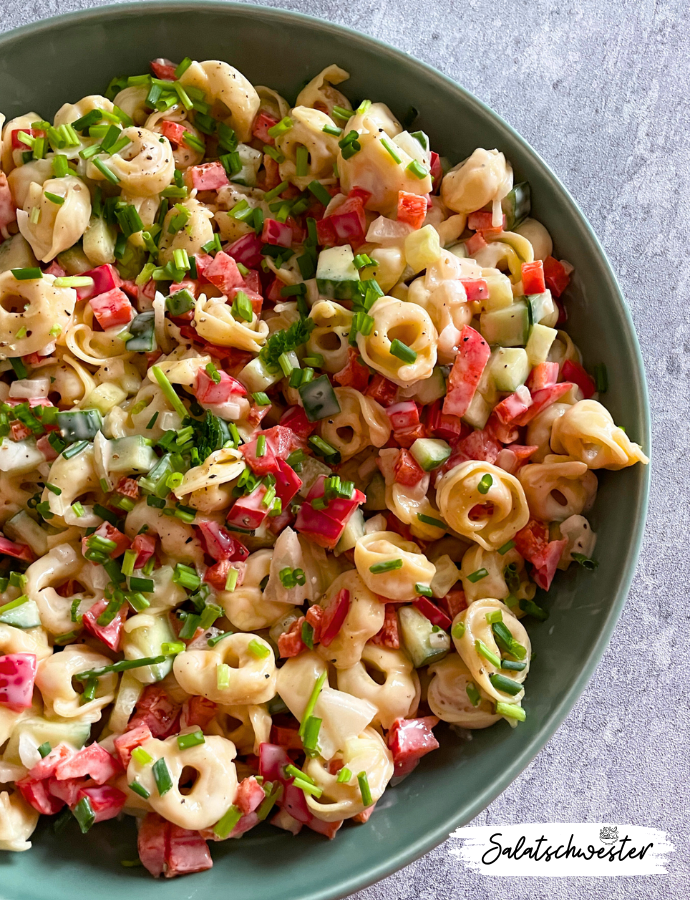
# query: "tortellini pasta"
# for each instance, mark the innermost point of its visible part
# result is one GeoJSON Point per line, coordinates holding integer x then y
{"type": "Point", "coordinates": [55, 677]}
{"type": "Point", "coordinates": [409, 324]}
{"type": "Point", "coordinates": [18, 821]}
{"type": "Point", "coordinates": [320, 93]}
{"type": "Point", "coordinates": [30, 311]}
{"type": "Point", "coordinates": [214, 321]}
{"type": "Point", "coordinates": [329, 337]}
{"type": "Point", "coordinates": [360, 423]}
{"type": "Point", "coordinates": [448, 698]}
{"type": "Point", "coordinates": [197, 231]}
{"type": "Point", "coordinates": [144, 167]}
{"type": "Point", "coordinates": [308, 131]}
{"type": "Point", "coordinates": [395, 696]}
{"type": "Point", "coordinates": [62, 565]}
{"type": "Point", "coordinates": [391, 566]}
{"type": "Point", "coordinates": [505, 575]}
{"type": "Point", "coordinates": [236, 100]}
{"type": "Point", "coordinates": [364, 619]}
{"type": "Point", "coordinates": [482, 178]}
{"type": "Point", "coordinates": [587, 432]}
{"type": "Point", "coordinates": [558, 488]}
{"type": "Point", "coordinates": [246, 606]}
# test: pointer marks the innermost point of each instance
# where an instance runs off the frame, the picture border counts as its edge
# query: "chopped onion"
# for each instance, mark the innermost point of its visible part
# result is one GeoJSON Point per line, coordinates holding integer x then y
{"type": "Point", "coordinates": [30, 388]}
{"type": "Point", "coordinates": [382, 230]}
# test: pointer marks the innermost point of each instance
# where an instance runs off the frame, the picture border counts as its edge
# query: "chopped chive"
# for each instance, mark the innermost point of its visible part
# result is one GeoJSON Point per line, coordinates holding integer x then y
{"type": "Point", "coordinates": [169, 392]}
{"type": "Point", "coordinates": [53, 489]}
{"type": "Point", "coordinates": [73, 281]}
{"type": "Point", "coordinates": [513, 665]}
{"type": "Point", "coordinates": [105, 171]}
{"type": "Point", "coordinates": [392, 152]}
{"type": "Point", "coordinates": [120, 666]}
{"type": "Point", "coordinates": [281, 127]}
{"type": "Point", "coordinates": [332, 129]}
{"type": "Point", "coordinates": [583, 560]}
{"type": "Point", "coordinates": [74, 449]}
{"type": "Point", "coordinates": [139, 789]}
{"type": "Point", "coordinates": [477, 576]}
{"type": "Point", "coordinates": [532, 609]}
{"type": "Point", "coordinates": [458, 630]}
{"type": "Point", "coordinates": [261, 398]}
{"type": "Point", "coordinates": [494, 616]}
{"type": "Point", "coordinates": [54, 198]}
{"type": "Point", "coordinates": [275, 192]}
{"type": "Point", "coordinates": [320, 192]}
{"type": "Point", "coordinates": [228, 821]}
{"type": "Point", "coordinates": [59, 164]}
{"type": "Point", "coordinates": [506, 547]}
{"type": "Point", "coordinates": [429, 520]}
{"type": "Point", "coordinates": [311, 703]}
{"type": "Point", "coordinates": [511, 711]}
{"type": "Point", "coordinates": [162, 777]}
{"type": "Point", "coordinates": [485, 483]}
{"type": "Point", "coordinates": [472, 693]}
{"type": "Point", "coordinates": [172, 648]}
{"type": "Point", "coordinates": [388, 566]}
{"type": "Point", "coordinates": [340, 112]}
{"type": "Point", "coordinates": [417, 169]}
{"type": "Point", "coordinates": [344, 775]}
{"type": "Point", "coordinates": [505, 684]}
{"type": "Point", "coordinates": [424, 590]}
{"type": "Point", "coordinates": [310, 735]}
{"type": "Point", "coordinates": [489, 655]}
{"type": "Point", "coordinates": [222, 676]}
{"type": "Point", "coordinates": [84, 814]}
{"type": "Point", "coordinates": [27, 274]}
{"type": "Point", "coordinates": [213, 373]}
{"type": "Point", "coordinates": [260, 651]}
{"type": "Point", "coordinates": [185, 741]}
{"type": "Point", "coordinates": [601, 377]}
{"type": "Point", "coordinates": [44, 749]}
{"type": "Point", "coordinates": [403, 352]}
{"type": "Point", "coordinates": [191, 623]}
{"type": "Point", "coordinates": [364, 789]}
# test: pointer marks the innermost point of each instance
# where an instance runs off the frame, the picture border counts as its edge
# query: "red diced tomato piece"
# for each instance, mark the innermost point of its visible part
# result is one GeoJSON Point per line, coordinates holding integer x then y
{"type": "Point", "coordinates": [287, 483]}
{"type": "Point", "coordinates": [349, 222]}
{"type": "Point", "coordinates": [354, 374]}
{"type": "Point", "coordinates": [121, 541]}
{"type": "Point", "coordinates": [261, 125]}
{"type": "Point", "coordinates": [152, 842]}
{"type": "Point", "coordinates": [334, 615]}
{"type": "Point", "coordinates": [109, 634]}
{"type": "Point", "coordinates": [555, 276]}
{"type": "Point", "coordinates": [360, 193]}
{"type": "Point", "coordinates": [256, 300]}
{"type": "Point", "coordinates": [19, 431]}
{"type": "Point", "coordinates": [572, 371]}
{"type": "Point", "coordinates": [163, 69]}
{"type": "Point", "coordinates": [435, 615]}
{"type": "Point", "coordinates": [279, 234]}
{"type": "Point", "coordinates": [128, 487]}
{"type": "Point", "coordinates": [188, 853]}
{"type": "Point", "coordinates": [533, 277]}
{"type": "Point", "coordinates": [145, 545]}
{"type": "Point", "coordinates": [223, 273]}
{"type": "Point", "coordinates": [436, 170]}
{"type": "Point", "coordinates": [318, 527]}
{"type": "Point", "coordinates": [470, 362]}
{"type": "Point", "coordinates": [478, 445]}
{"type": "Point", "coordinates": [106, 801]}
{"type": "Point", "coordinates": [67, 791]}
{"type": "Point", "coordinates": [407, 470]}
{"type": "Point", "coordinates": [411, 209]}
{"type": "Point", "coordinates": [325, 232]}
{"type": "Point", "coordinates": [156, 710]}
{"type": "Point", "coordinates": [32, 132]}
{"type": "Point", "coordinates": [454, 602]}
{"type": "Point", "coordinates": [389, 635]}
{"type": "Point", "coordinates": [45, 768]}
{"type": "Point", "coordinates": [250, 795]}
{"type": "Point", "coordinates": [532, 540]}
{"type": "Point", "coordinates": [260, 465]}
{"type": "Point", "coordinates": [513, 406]}
{"type": "Point", "coordinates": [219, 543]}
{"type": "Point", "coordinates": [94, 761]}
{"type": "Point", "coordinates": [382, 390]}
{"type": "Point", "coordinates": [208, 177]}
{"type": "Point", "coordinates": [409, 740]}
{"type": "Point", "coordinates": [543, 375]}
{"type": "Point", "coordinates": [549, 559]}
{"type": "Point", "coordinates": [17, 676]}
{"type": "Point", "coordinates": [174, 132]}
{"type": "Point", "coordinates": [475, 243]}
{"type": "Point", "coordinates": [483, 221]}
{"type": "Point", "coordinates": [112, 309]}
{"type": "Point", "coordinates": [130, 740]}
{"type": "Point", "coordinates": [475, 288]}
{"type": "Point", "coordinates": [440, 425]}
{"type": "Point", "coordinates": [404, 414]}
{"type": "Point", "coordinates": [287, 738]}
{"type": "Point", "coordinates": [8, 210]}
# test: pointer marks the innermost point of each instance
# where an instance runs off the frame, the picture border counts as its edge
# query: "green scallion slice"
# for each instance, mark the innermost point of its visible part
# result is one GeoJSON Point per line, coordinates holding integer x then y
{"type": "Point", "coordinates": [162, 777]}
{"type": "Point", "coordinates": [472, 693]}
{"type": "Point", "coordinates": [185, 741]}
{"type": "Point", "coordinates": [403, 352]}
{"type": "Point", "coordinates": [388, 566]}
{"type": "Point", "coordinates": [364, 789]}
{"type": "Point", "coordinates": [511, 711]}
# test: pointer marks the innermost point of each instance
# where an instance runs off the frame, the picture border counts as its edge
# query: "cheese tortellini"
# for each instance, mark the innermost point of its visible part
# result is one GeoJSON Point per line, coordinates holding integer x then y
{"type": "Point", "coordinates": [30, 311]}
{"type": "Point", "coordinates": [361, 423]}
{"type": "Point", "coordinates": [558, 488]}
{"type": "Point", "coordinates": [409, 324]}
{"type": "Point", "coordinates": [395, 696]}
{"type": "Point", "coordinates": [55, 676]}
{"type": "Point", "coordinates": [587, 432]}
{"type": "Point", "coordinates": [391, 566]}
{"type": "Point", "coordinates": [144, 167]}
{"type": "Point", "coordinates": [482, 178]}
{"type": "Point", "coordinates": [448, 698]}
{"type": "Point", "coordinates": [234, 97]}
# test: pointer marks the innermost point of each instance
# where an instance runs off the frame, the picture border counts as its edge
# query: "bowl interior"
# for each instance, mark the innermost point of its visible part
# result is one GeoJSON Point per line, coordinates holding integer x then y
{"type": "Point", "coordinates": [79, 54]}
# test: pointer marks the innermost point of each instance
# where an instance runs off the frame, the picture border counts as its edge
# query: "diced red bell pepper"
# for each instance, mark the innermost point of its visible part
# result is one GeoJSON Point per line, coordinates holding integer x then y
{"type": "Point", "coordinates": [572, 371]}
{"type": "Point", "coordinates": [339, 508]}
{"type": "Point", "coordinates": [250, 795]}
{"type": "Point", "coordinates": [349, 222]}
{"type": "Point", "coordinates": [287, 738]}
{"type": "Point", "coordinates": [543, 375]}
{"type": "Point", "coordinates": [106, 801]}
{"type": "Point", "coordinates": [454, 602]}
{"type": "Point", "coordinates": [130, 740]}
{"type": "Point", "coordinates": [152, 843]}
{"type": "Point", "coordinates": [477, 445]}
{"type": "Point", "coordinates": [219, 543]}
{"type": "Point", "coordinates": [272, 762]}
{"type": "Point", "coordinates": [314, 617]}
{"type": "Point", "coordinates": [435, 615]}
{"type": "Point", "coordinates": [405, 437]}
{"type": "Point", "coordinates": [483, 221]}
{"type": "Point", "coordinates": [354, 374]}
{"type": "Point", "coordinates": [358, 193]}
{"type": "Point", "coordinates": [209, 391]}
{"type": "Point", "coordinates": [256, 300]}
{"type": "Point", "coordinates": [68, 790]}
{"type": "Point", "coordinates": [112, 309]}
{"type": "Point", "coordinates": [106, 530]}
{"type": "Point", "coordinates": [17, 676]}
{"type": "Point", "coordinates": [470, 362]}
{"type": "Point", "coordinates": [334, 615]}
{"type": "Point", "coordinates": [260, 465]}
{"type": "Point", "coordinates": [382, 390]}
{"type": "Point", "coordinates": [36, 794]}
{"type": "Point", "coordinates": [203, 261]}
{"type": "Point", "coordinates": [409, 740]}
{"type": "Point", "coordinates": [503, 433]}
{"type": "Point", "coordinates": [252, 280]}
{"type": "Point", "coordinates": [389, 635]}
{"type": "Point", "coordinates": [217, 574]}
{"type": "Point", "coordinates": [475, 288]}
{"type": "Point", "coordinates": [287, 483]}
{"type": "Point", "coordinates": [32, 132]}
{"type": "Point", "coordinates": [45, 768]}
{"type": "Point", "coordinates": [404, 414]}
{"type": "Point", "coordinates": [208, 177]}
{"type": "Point", "coordinates": [363, 817]}
{"type": "Point", "coordinates": [412, 209]}
{"type": "Point", "coordinates": [18, 551]}
{"type": "Point", "coordinates": [290, 642]}
{"type": "Point", "coordinates": [274, 289]}
{"type": "Point", "coordinates": [109, 634]}
{"type": "Point", "coordinates": [197, 711]}
{"type": "Point", "coordinates": [145, 545]}
{"type": "Point", "coordinates": [533, 277]}
{"type": "Point", "coordinates": [436, 170]}
{"type": "Point", "coordinates": [156, 709]}
{"type": "Point", "coordinates": [296, 420]}
{"type": "Point", "coordinates": [8, 210]}
{"type": "Point", "coordinates": [325, 232]}
{"type": "Point", "coordinates": [318, 527]}
{"type": "Point", "coordinates": [94, 761]}
{"type": "Point", "coordinates": [257, 413]}
{"type": "Point", "coordinates": [440, 425]}
{"type": "Point", "coordinates": [542, 399]}
{"type": "Point", "coordinates": [279, 234]}
{"type": "Point", "coordinates": [475, 243]}
{"type": "Point", "coordinates": [544, 574]}
{"type": "Point", "coordinates": [407, 470]}
{"type": "Point", "coordinates": [247, 513]}
{"type": "Point", "coordinates": [532, 540]}
{"type": "Point", "coordinates": [513, 406]}
{"type": "Point", "coordinates": [260, 128]}
{"type": "Point", "coordinates": [174, 132]}
{"type": "Point", "coordinates": [105, 279]}
{"type": "Point", "coordinates": [555, 276]}
{"type": "Point", "coordinates": [167, 849]}
{"type": "Point", "coordinates": [163, 69]}
{"type": "Point", "coordinates": [19, 431]}
{"type": "Point", "coordinates": [128, 487]}
{"type": "Point", "coordinates": [223, 272]}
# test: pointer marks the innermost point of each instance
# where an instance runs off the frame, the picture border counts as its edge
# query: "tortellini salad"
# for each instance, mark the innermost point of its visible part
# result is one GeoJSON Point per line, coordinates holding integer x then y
{"type": "Point", "coordinates": [290, 436]}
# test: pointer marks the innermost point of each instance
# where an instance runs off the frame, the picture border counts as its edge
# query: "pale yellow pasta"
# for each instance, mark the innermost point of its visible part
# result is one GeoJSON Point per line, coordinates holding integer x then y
{"type": "Point", "coordinates": [144, 167]}
{"type": "Point", "coordinates": [184, 155]}
{"type": "Point", "coordinates": [213, 790]}
{"type": "Point", "coordinates": [10, 157]}
{"type": "Point", "coordinates": [197, 232]}
{"type": "Point", "coordinates": [539, 430]}
{"type": "Point", "coordinates": [580, 537]}
{"type": "Point", "coordinates": [54, 679]}
{"type": "Point", "coordinates": [448, 699]}
{"type": "Point", "coordinates": [440, 292]}
{"type": "Point", "coordinates": [214, 321]}
{"type": "Point", "coordinates": [408, 502]}
{"type": "Point", "coordinates": [287, 553]}
{"type": "Point", "coordinates": [396, 696]}
{"type": "Point", "coordinates": [361, 423]}
{"type": "Point", "coordinates": [132, 102]}
{"type": "Point", "coordinates": [329, 336]}
{"type": "Point", "coordinates": [246, 726]}
{"type": "Point", "coordinates": [52, 227]}
{"type": "Point", "coordinates": [478, 629]}
{"type": "Point", "coordinates": [218, 468]}
{"type": "Point", "coordinates": [385, 547]}
{"type": "Point", "coordinates": [36, 306]}
{"type": "Point", "coordinates": [484, 177]}
{"type": "Point", "coordinates": [70, 112]}
{"type": "Point", "coordinates": [320, 93]}
{"type": "Point", "coordinates": [233, 97]}
{"type": "Point", "coordinates": [16, 253]}
{"type": "Point", "coordinates": [494, 583]}
{"type": "Point", "coordinates": [365, 753]}
{"type": "Point", "coordinates": [246, 607]}
{"type": "Point", "coordinates": [408, 323]}
{"type": "Point", "coordinates": [250, 678]}
{"type": "Point", "coordinates": [18, 821]}
{"type": "Point", "coordinates": [74, 476]}
{"type": "Point", "coordinates": [38, 171]}
{"type": "Point", "coordinates": [24, 640]}
{"type": "Point", "coordinates": [363, 620]}
{"type": "Point", "coordinates": [14, 493]}
{"type": "Point", "coordinates": [538, 236]}
{"type": "Point", "coordinates": [343, 716]}
{"type": "Point", "coordinates": [558, 488]}
{"type": "Point", "coordinates": [587, 432]}
{"type": "Point", "coordinates": [90, 345]}
{"type": "Point", "coordinates": [503, 508]}
{"type": "Point", "coordinates": [272, 102]}
{"type": "Point", "coordinates": [308, 131]}
{"type": "Point", "coordinates": [178, 541]}
{"type": "Point", "coordinates": [166, 594]}
{"type": "Point", "coordinates": [52, 570]}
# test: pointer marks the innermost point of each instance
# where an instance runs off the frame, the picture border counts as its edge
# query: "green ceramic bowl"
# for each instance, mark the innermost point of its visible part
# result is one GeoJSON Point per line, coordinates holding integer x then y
{"type": "Point", "coordinates": [62, 59]}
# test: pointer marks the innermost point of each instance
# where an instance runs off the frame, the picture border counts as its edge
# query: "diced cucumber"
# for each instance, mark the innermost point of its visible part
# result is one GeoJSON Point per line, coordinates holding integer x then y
{"type": "Point", "coordinates": [256, 377]}
{"type": "Point", "coordinates": [143, 331]}
{"type": "Point", "coordinates": [318, 399]}
{"type": "Point", "coordinates": [106, 396]}
{"type": "Point", "coordinates": [540, 307]}
{"type": "Point", "coordinates": [478, 412]}
{"type": "Point", "coordinates": [128, 694]}
{"type": "Point", "coordinates": [427, 390]}
{"type": "Point", "coordinates": [336, 273]}
{"type": "Point", "coordinates": [517, 205]}
{"type": "Point", "coordinates": [376, 493]}
{"type": "Point", "coordinates": [353, 531]}
{"type": "Point", "coordinates": [389, 266]}
{"type": "Point", "coordinates": [507, 327]}
{"type": "Point", "coordinates": [24, 616]}
{"type": "Point", "coordinates": [430, 453]}
{"type": "Point", "coordinates": [132, 454]}
{"type": "Point", "coordinates": [510, 368]}
{"type": "Point", "coordinates": [74, 261]}
{"type": "Point", "coordinates": [179, 302]}
{"type": "Point", "coordinates": [422, 248]}
{"type": "Point", "coordinates": [540, 340]}
{"type": "Point", "coordinates": [416, 636]}
{"type": "Point", "coordinates": [21, 527]}
{"type": "Point", "coordinates": [250, 160]}
{"type": "Point", "coordinates": [147, 641]}
{"type": "Point", "coordinates": [54, 731]}
{"type": "Point", "coordinates": [79, 424]}
{"type": "Point", "coordinates": [155, 482]}
{"type": "Point", "coordinates": [500, 292]}
{"type": "Point", "coordinates": [16, 253]}
{"type": "Point", "coordinates": [310, 470]}
{"type": "Point", "coordinates": [99, 242]}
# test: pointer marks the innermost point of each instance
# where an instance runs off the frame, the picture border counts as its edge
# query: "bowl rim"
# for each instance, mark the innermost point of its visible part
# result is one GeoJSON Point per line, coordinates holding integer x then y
{"type": "Point", "coordinates": [423, 844]}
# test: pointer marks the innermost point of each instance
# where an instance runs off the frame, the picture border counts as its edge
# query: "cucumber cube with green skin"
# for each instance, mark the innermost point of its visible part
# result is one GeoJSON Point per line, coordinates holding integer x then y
{"type": "Point", "coordinates": [507, 327]}
{"type": "Point", "coordinates": [132, 454]}
{"type": "Point", "coordinates": [147, 641]}
{"type": "Point", "coordinates": [76, 734]}
{"type": "Point", "coordinates": [500, 292]}
{"type": "Point", "coordinates": [430, 453]}
{"type": "Point", "coordinates": [256, 377]}
{"type": "Point", "coordinates": [540, 306]}
{"type": "Point", "coordinates": [478, 412]}
{"type": "Point", "coordinates": [376, 493]}
{"type": "Point", "coordinates": [510, 368]}
{"type": "Point", "coordinates": [540, 340]}
{"type": "Point", "coordinates": [517, 205]}
{"type": "Point", "coordinates": [80, 424]}
{"type": "Point", "coordinates": [142, 329]}
{"type": "Point", "coordinates": [336, 274]}
{"type": "Point", "coordinates": [354, 530]}
{"type": "Point", "coordinates": [24, 616]}
{"type": "Point", "coordinates": [427, 390]}
{"type": "Point", "coordinates": [416, 631]}
{"type": "Point", "coordinates": [155, 482]}
{"type": "Point", "coordinates": [318, 399]}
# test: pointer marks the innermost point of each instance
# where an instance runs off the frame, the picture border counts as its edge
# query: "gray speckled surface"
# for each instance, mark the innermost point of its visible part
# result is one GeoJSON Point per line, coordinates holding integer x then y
{"type": "Point", "coordinates": [600, 90]}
